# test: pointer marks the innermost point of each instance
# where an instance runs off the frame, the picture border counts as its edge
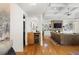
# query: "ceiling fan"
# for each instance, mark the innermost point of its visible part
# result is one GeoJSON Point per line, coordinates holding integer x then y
{"type": "Point", "coordinates": [68, 13]}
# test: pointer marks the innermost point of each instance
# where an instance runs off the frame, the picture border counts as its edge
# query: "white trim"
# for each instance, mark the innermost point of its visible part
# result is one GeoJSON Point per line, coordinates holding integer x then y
{"type": "Point", "coordinates": [41, 42]}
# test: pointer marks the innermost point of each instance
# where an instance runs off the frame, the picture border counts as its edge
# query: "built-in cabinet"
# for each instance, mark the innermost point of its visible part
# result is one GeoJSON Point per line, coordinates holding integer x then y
{"type": "Point", "coordinates": [33, 38]}
{"type": "Point", "coordinates": [30, 37]}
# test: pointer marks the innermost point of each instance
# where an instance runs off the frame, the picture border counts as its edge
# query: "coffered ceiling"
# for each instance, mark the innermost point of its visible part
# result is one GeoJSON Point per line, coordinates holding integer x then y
{"type": "Point", "coordinates": [52, 10]}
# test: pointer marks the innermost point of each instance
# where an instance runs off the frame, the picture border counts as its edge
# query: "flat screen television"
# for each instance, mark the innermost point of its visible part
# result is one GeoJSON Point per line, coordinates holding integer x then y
{"type": "Point", "coordinates": [57, 25]}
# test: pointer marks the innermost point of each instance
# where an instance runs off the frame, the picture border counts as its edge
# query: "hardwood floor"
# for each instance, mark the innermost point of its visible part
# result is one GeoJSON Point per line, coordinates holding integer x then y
{"type": "Point", "coordinates": [49, 48]}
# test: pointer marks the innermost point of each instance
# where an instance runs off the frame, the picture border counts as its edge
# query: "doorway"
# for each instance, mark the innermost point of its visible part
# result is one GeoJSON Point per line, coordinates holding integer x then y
{"type": "Point", "coordinates": [23, 31]}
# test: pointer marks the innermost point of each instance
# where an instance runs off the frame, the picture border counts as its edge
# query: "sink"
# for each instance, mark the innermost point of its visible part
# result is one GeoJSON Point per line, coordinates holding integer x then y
{"type": "Point", "coordinates": [5, 45]}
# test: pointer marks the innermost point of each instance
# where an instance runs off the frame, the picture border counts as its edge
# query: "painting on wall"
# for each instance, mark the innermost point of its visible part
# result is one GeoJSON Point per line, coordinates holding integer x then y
{"type": "Point", "coordinates": [4, 25]}
{"type": "Point", "coordinates": [68, 27]}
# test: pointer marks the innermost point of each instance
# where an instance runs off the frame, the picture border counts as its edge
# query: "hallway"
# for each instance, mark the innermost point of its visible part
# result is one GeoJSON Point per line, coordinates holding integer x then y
{"type": "Point", "coordinates": [49, 48]}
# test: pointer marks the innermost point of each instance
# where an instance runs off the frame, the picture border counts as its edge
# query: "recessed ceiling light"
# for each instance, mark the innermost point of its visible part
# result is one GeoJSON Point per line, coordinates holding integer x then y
{"type": "Point", "coordinates": [32, 4]}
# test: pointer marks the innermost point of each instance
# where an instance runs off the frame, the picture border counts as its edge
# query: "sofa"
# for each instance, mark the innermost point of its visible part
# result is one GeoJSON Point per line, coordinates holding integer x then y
{"type": "Point", "coordinates": [65, 38]}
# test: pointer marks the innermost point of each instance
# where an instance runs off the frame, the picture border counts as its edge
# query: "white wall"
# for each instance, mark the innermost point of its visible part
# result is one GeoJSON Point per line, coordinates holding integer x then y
{"type": "Point", "coordinates": [30, 21]}
{"type": "Point", "coordinates": [75, 23]}
{"type": "Point", "coordinates": [5, 7]}
{"type": "Point", "coordinates": [47, 31]}
{"type": "Point", "coordinates": [27, 28]}
{"type": "Point", "coordinates": [66, 21]}
{"type": "Point", "coordinates": [16, 27]}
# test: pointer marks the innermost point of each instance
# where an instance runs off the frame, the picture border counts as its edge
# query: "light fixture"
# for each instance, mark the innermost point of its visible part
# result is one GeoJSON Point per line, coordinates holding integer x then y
{"type": "Point", "coordinates": [32, 4]}
{"type": "Point", "coordinates": [68, 12]}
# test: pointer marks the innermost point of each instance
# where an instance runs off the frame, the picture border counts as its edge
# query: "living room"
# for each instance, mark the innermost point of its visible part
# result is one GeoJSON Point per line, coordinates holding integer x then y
{"type": "Point", "coordinates": [59, 26]}
{"type": "Point", "coordinates": [40, 28]}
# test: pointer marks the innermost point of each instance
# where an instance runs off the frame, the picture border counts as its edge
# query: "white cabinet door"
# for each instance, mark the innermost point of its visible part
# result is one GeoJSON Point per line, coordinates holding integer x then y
{"type": "Point", "coordinates": [76, 27]}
